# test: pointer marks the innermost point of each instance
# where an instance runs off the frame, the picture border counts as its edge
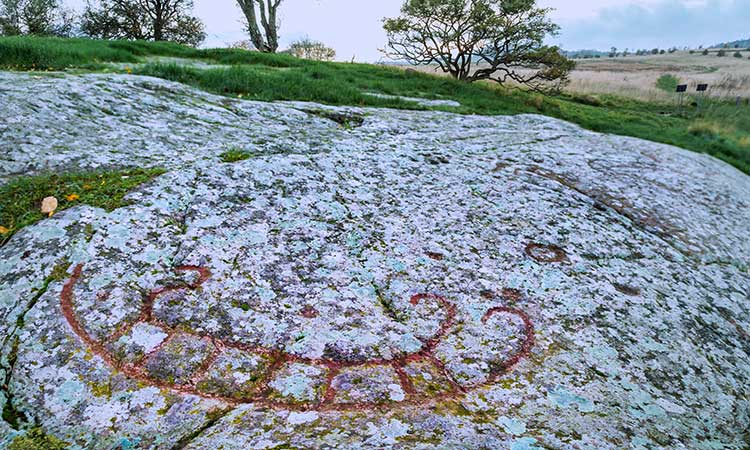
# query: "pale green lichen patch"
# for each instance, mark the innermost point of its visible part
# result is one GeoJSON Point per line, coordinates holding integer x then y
{"type": "Point", "coordinates": [140, 341]}
{"type": "Point", "coordinates": [472, 355]}
{"type": "Point", "coordinates": [299, 383]}
{"type": "Point", "coordinates": [374, 384]}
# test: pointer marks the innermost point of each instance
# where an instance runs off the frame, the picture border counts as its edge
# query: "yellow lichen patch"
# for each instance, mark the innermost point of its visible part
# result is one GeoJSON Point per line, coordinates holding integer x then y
{"type": "Point", "coordinates": [37, 439]}
{"type": "Point", "coordinates": [452, 408]}
{"type": "Point", "coordinates": [509, 383]}
{"type": "Point", "coordinates": [101, 389]}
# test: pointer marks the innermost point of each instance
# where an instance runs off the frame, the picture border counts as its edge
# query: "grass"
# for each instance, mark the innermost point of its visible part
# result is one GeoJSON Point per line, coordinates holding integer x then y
{"type": "Point", "coordinates": [235, 155]}
{"type": "Point", "coordinates": [25, 52]}
{"type": "Point", "coordinates": [21, 198]}
{"type": "Point", "coordinates": [252, 75]}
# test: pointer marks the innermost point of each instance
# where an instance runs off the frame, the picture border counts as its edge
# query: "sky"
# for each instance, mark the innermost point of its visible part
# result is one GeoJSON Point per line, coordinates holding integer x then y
{"type": "Point", "coordinates": [354, 27]}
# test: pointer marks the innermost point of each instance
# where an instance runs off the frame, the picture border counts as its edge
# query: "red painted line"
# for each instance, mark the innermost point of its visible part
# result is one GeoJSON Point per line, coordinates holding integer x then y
{"type": "Point", "coordinates": [404, 379]}
{"type": "Point", "coordinates": [330, 392]}
{"type": "Point", "coordinates": [559, 254]}
{"type": "Point", "coordinates": [205, 366]}
{"type": "Point", "coordinates": [455, 386]}
{"type": "Point", "coordinates": [527, 345]}
{"type": "Point", "coordinates": [138, 372]}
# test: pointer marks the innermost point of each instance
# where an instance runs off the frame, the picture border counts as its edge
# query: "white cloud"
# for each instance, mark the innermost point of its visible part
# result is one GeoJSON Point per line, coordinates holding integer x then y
{"type": "Point", "coordinates": [659, 24]}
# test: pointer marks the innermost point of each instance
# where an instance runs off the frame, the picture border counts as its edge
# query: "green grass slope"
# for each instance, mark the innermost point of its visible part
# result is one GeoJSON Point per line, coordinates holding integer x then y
{"type": "Point", "coordinates": [718, 128]}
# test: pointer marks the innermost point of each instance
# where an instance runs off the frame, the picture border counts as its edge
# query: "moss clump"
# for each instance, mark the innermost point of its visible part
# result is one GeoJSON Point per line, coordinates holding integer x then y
{"type": "Point", "coordinates": [60, 271]}
{"type": "Point", "coordinates": [37, 439]}
{"type": "Point", "coordinates": [234, 155]}
{"type": "Point", "coordinates": [20, 199]}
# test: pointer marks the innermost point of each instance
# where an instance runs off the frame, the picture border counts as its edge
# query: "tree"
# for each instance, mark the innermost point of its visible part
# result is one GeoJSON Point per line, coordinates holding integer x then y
{"type": "Point", "coordinates": [37, 17]}
{"type": "Point", "coordinates": [262, 23]}
{"type": "Point", "coordinates": [156, 20]}
{"type": "Point", "coordinates": [613, 52]}
{"type": "Point", "coordinates": [472, 40]}
{"type": "Point", "coordinates": [309, 49]}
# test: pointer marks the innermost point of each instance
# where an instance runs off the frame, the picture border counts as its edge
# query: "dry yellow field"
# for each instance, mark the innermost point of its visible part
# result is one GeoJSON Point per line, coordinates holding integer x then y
{"type": "Point", "coordinates": [636, 76]}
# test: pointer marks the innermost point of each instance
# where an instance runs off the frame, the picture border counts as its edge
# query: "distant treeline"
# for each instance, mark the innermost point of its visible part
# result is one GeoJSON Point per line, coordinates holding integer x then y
{"type": "Point", "coordinates": [615, 53]}
{"type": "Point", "coordinates": [744, 43]}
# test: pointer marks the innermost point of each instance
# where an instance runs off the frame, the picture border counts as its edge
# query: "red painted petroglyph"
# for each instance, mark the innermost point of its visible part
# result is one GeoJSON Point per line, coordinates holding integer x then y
{"type": "Point", "coordinates": [262, 394]}
{"type": "Point", "coordinates": [546, 253]}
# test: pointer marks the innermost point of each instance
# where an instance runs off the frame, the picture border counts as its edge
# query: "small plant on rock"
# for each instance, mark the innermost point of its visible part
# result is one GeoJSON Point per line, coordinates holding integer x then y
{"type": "Point", "coordinates": [234, 155]}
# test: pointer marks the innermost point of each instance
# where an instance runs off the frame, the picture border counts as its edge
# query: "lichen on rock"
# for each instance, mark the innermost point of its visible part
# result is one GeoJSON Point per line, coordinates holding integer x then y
{"type": "Point", "coordinates": [423, 280]}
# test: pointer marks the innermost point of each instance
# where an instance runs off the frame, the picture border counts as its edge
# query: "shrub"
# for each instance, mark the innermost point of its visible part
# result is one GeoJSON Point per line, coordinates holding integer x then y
{"type": "Point", "coordinates": [737, 55]}
{"type": "Point", "coordinates": [721, 53]}
{"type": "Point", "coordinates": [314, 50]}
{"type": "Point", "coordinates": [667, 83]}
{"type": "Point", "coordinates": [245, 44]}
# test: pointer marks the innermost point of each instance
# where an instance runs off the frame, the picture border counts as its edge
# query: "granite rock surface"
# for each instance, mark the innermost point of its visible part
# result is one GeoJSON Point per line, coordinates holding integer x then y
{"type": "Point", "coordinates": [417, 280]}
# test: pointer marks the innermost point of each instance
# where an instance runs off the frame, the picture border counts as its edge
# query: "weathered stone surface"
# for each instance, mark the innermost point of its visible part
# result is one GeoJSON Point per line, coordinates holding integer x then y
{"type": "Point", "coordinates": [424, 280]}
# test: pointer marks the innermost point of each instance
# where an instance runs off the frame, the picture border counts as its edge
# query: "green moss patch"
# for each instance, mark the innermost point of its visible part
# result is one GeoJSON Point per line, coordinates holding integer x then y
{"type": "Point", "coordinates": [20, 200]}
{"type": "Point", "coordinates": [235, 155]}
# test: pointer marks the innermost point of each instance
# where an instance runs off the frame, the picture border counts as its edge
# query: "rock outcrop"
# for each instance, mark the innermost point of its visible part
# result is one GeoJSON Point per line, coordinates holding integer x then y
{"type": "Point", "coordinates": [418, 280]}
